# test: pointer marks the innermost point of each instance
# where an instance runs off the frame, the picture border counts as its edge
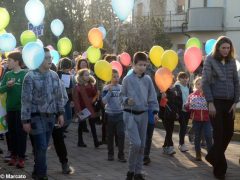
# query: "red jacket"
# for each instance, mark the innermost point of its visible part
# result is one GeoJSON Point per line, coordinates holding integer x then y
{"type": "Point", "coordinates": [197, 106]}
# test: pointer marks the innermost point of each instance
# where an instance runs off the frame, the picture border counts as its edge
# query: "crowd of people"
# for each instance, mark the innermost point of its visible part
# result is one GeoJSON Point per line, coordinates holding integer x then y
{"type": "Point", "coordinates": [42, 103]}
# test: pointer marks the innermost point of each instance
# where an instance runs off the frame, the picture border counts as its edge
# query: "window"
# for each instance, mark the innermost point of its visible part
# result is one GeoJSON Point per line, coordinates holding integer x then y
{"type": "Point", "coordinates": [140, 9]}
{"type": "Point", "coordinates": [180, 6]}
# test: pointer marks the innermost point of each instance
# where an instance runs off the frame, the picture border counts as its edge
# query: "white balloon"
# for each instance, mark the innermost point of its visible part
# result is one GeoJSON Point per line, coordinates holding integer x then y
{"type": "Point", "coordinates": [39, 42]}
{"type": "Point", "coordinates": [57, 27]}
{"type": "Point", "coordinates": [35, 12]}
{"type": "Point", "coordinates": [238, 65]}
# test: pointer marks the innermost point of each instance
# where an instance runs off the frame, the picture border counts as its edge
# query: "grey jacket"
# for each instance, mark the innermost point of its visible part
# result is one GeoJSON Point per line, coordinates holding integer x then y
{"type": "Point", "coordinates": [141, 90]}
{"type": "Point", "coordinates": [220, 81]}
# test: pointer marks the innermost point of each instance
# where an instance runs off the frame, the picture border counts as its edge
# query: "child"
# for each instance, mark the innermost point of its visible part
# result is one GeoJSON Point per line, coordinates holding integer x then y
{"type": "Point", "coordinates": [197, 105]}
{"type": "Point", "coordinates": [12, 85]}
{"type": "Point", "coordinates": [114, 113]}
{"type": "Point", "coordinates": [137, 96]}
{"type": "Point", "coordinates": [183, 89]}
{"type": "Point", "coordinates": [85, 95]}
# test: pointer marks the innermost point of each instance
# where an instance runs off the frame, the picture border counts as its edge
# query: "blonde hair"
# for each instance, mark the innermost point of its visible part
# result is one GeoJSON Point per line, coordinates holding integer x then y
{"type": "Point", "coordinates": [198, 78]}
{"type": "Point", "coordinates": [79, 77]}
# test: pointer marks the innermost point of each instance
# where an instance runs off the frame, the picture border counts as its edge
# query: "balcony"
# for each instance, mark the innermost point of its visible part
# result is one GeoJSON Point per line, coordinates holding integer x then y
{"type": "Point", "coordinates": [205, 19]}
{"type": "Point", "coordinates": [174, 23]}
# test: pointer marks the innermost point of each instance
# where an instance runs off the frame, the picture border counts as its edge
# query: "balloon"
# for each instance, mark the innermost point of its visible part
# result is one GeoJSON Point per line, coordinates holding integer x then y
{"type": "Point", "coordinates": [122, 8]}
{"type": "Point", "coordinates": [169, 59]}
{"type": "Point", "coordinates": [84, 55]}
{"type": "Point", "coordinates": [64, 46]}
{"type": "Point", "coordinates": [56, 56]}
{"type": "Point", "coordinates": [40, 42]}
{"type": "Point", "coordinates": [238, 65]}
{"type": "Point", "coordinates": [7, 42]}
{"type": "Point", "coordinates": [33, 55]}
{"type": "Point", "coordinates": [35, 12]}
{"type": "Point", "coordinates": [129, 72]}
{"type": "Point", "coordinates": [57, 27]}
{"type": "Point", "coordinates": [103, 30]}
{"type": "Point", "coordinates": [103, 70]}
{"type": "Point", "coordinates": [3, 31]}
{"type": "Point", "coordinates": [93, 54]}
{"type": "Point", "coordinates": [192, 58]}
{"type": "Point", "coordinates": [116, 65]}
{"type": "Point", "coordinates": [193, 42]}
{"type": "Point", "coordinates": [155, 55]}
{"type": "Point", "coordinates": [5, 18]}
{"type": "Point", "coordinates": [95, 37]}
{"type": "Point", "coordinates": [163, 79]}
{"type": "Point", "coordinates": [27, 36]}
{"type": "Point", "coordinates": [50, 47]}
{"type": "Point", "coordinates": [125, 59]}
{"type": "Point", "coordinates": [101, 45]}
{"type": "Point", "coordinates": [209, 46]}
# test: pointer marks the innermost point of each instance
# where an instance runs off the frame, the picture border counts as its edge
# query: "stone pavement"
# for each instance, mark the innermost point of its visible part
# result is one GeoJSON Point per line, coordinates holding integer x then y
{"type": "Point", "coordinates": [91, 163]}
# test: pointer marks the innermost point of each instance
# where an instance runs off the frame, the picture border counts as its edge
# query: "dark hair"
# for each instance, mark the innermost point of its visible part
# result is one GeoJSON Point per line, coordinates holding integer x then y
{"type": "Point", "coordinates": [182, 75]}
{"type": "Point", "coordinates": [53, 67]}
{"type": "Point", "coordinates": [140, 56]}
{"type": "Point", "coordinates": [46, 49]}
{"type": "Point", "coordinates": [216, 54]}
{"type": "Point", "coordinates": [110, 57]}
{"type": "Point", "coordinates": [16, 56]}
{"type": "Point", "coordinates": [79, 61]}
{"type": "Point", "coordinates": [65, 63]}
{"type": "Point", "coordinates": [114, 71]}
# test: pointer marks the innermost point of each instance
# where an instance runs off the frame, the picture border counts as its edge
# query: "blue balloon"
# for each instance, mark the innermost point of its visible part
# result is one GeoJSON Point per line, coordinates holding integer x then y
{"type": "Point", "coordinates": [209, 46]}
{"type": "Point", "coordinates": [33, 55]}
{"type": "Point", "coordinates": [35, 12]}
{"type": "Point", "coordinates": [103, 30]}
{"type": "Point", "coordinates": [56, 56]}
{"type": "Point", "coordinates": [57, 27]}
{"type": "Point", "coordinates": [7, 42]}
{"type": "Point", "coordinates": [122, 8]}
{"type": "Point", "coordinates": [130, 72]}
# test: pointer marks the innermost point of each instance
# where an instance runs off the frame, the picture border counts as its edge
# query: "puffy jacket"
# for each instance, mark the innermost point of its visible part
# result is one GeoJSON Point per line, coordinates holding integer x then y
{"type": "Point", "coordinates": [197, 106]}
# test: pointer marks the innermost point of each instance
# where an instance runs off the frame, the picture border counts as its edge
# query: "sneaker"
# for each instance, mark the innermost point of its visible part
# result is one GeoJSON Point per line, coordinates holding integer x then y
{"type": "Point", "coordinates": [165, 150]}
{"type": "Point", "coordinates": [146, 161]}
{"type": "Point", "coordinates": [20, 164]}
{"type": "Point", "coordinates": [138, 177]}
{"type": "Point", "coordinates": [122, 159]}
{"type": "Point", "coordinates": [13, 161]}
{"type": "Point", "coordinates": [110, 157]}
{"type": "Point", "coordinates": [130, 175]}
{"type": "Point", "coordinates": [82, 145]}
{"type": "Point", "coordinates": [66, 169]}
{"type": "Point", "coordinates": [171, 150]}
{"type": "Point", "coordinates": [97, 144]}
{"type": "Point", "coordinates": [183, 148]}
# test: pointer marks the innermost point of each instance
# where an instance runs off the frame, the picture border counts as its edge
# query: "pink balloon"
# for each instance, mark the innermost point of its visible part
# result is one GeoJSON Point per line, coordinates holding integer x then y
{"type": "Point", "coordinates": [125, 59]}
{"type": "Point", "coordinates": [50, 47]}
{"type": "Point", "coordinates": [192, 58]}
{"type": "Point", "coordinates": [84, 55]}
{"type": "Point", "coordinates": [116, 65]}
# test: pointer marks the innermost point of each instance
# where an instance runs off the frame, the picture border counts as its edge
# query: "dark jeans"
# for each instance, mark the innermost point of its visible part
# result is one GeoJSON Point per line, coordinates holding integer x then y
{"type": "Point", "coordinates": [168, 123]}
{"type": "Point", "coordinates": [223, 127]}
{"type": "Point", "coordinates": [206, 128]}
{"type": "Point", "coordinates": [41, 139]}
{"type": "Point", "coordinates": [59, 144]}
{"type": "Point", "coordinates": [67, 114]}
{"type": "Point", "coordinates": [115, 125]}
{"type": "Point", "coordinates": [183, 121]}
{"type": "Point", "coordinates": [93, 130]}
{"type": "Point", "coordinates": [149, 136]}
{"type": "Point", "coordinates": [18, 136]}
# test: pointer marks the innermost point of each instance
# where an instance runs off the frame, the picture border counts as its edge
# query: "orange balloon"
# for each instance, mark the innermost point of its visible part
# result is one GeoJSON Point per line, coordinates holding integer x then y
{"type": "Point", "coordinates": [95, 37]}
{"type": "Point", "coordinates": [163, 79]}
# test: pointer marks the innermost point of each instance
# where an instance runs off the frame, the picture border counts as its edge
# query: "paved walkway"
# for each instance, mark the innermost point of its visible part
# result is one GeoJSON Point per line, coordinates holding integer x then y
{"type": "Point", "coordinates": [91, 163]}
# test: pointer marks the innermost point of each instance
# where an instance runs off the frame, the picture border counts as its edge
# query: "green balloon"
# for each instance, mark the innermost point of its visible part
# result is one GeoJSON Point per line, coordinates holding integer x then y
{"type": "Point", "coordinates": [5, 18]}
{"type": "Point", "coordinates": [93, 54]}
{"type": "Point", "coordinates": [64, 46]}
{"type": "Point", "coordinates": [27, 36]}
{"type": "Point", "coordinates": [3, 31]}
{"type": "Point", "coordinates": [194, 42]}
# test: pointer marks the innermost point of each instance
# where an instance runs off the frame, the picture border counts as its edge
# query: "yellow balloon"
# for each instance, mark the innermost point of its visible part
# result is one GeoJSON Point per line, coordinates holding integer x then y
{"type": "Point", "coordinates": [103, 70]}
{"type": "Point", "coordinates": [5, 18]}
{"type": "Point", "coordinates": [155, 55]}
{"type": "Point", "coordinates": [2, 31]}
{"type": "Point", "coordinates": [169, 59]}
{"type": "Point", "coordinates": [64, 46]}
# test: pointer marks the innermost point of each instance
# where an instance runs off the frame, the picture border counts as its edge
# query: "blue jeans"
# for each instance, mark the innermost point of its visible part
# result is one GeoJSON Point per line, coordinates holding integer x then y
{"type": "Point", "coordinates": [206, 128]}
{"type": "Point", "coordinates": [43, 127]}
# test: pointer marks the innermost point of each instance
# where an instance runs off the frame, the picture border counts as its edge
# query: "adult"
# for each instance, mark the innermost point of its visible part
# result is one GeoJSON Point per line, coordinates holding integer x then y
{"type": "Point", "coordinates": [221, 89]}
{"type": "Point", "coordinates": [42, 104]}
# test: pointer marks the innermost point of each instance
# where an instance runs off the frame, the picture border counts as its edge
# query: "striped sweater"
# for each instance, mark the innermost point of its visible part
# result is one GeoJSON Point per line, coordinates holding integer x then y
{"type": "Point", "coordinates": [220, 81]}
